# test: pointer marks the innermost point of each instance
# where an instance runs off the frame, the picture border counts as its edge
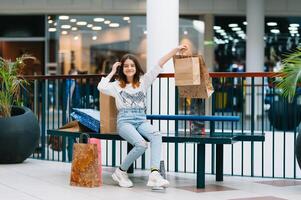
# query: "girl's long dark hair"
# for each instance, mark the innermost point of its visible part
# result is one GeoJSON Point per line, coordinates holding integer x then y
{"type": "Point", "coordinates": [122, 77]}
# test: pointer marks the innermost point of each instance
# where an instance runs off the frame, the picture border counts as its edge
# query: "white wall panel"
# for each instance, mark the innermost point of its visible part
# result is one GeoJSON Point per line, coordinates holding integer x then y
{"type": "Point", "coordinates": [276, 5]}
{"type": "Point", "coordinates": [294, 5]}
{"type": "Point", "coordinates": [204, 5]}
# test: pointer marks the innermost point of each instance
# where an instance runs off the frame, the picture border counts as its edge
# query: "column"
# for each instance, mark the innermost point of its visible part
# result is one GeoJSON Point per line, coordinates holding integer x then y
{"type": "Point", "coordinates": [162, 36]}
{"type": "Point", "coordinates": [255, 34]}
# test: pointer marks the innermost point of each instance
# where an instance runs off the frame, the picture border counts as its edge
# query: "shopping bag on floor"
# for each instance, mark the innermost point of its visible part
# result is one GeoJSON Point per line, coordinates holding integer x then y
{"type": "Point", "coordinates": [85, 168]}
{"type": "Point", "coordinates": [98, 143]}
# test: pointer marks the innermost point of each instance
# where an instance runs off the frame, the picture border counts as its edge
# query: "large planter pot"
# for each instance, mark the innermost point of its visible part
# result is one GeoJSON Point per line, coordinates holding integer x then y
{"type": "Point", "coordinates": [284, 116]}
{"type": "Point", "coordinates": [19, 135]}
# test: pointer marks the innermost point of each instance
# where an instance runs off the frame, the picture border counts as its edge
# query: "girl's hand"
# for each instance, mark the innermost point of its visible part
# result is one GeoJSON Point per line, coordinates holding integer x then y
{"type": "Point", "coordinates": [115, 66]}
{"type": "Point", "coordinates": [182, 47]}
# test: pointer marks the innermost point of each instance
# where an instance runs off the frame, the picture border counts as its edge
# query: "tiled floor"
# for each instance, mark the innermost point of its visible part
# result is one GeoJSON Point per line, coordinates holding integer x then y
{"type": "Point", "coordinates": [46, 180]}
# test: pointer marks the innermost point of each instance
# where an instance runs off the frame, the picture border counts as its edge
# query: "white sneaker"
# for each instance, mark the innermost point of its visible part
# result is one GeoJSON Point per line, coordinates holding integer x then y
{"type": "Point", "coordinates": [156, 180]}
{"type": "Point", "coordinates": [122, 178]}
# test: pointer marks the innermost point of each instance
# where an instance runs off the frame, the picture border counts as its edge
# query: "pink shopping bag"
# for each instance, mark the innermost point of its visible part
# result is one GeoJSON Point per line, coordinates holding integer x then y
{"type": "Point", "coordinates": [98, 142]}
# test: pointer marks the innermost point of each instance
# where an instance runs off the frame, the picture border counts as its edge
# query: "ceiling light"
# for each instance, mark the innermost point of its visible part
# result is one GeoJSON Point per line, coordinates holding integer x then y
{"type": "Point", "coordinates": [63, 17]}
{"type": "Point", "coordinates": [220, 31]}
{"type": "Point", "coordinates": [107, 22]}
{"type": "Point", "coordinates": [239, 32]}
{"type": "Point", "coordinates": [245, 23]}
{"type": "Point", "coordinates": [185, 32]}
{"type": "Point", "coordinates": [73, 20]}
{"type": "Point", "coordinates": [90, 25]}
{"type": "Point", "coordinates": [126, 18]}
{"type": "Point", "coordinates": [129, 21]}
{"type": "Point", "coordinates": [64, 32]}
{"type": "Point", "coordinates": [292, 28]}
{"type": "Point", "coordinates": [114, 25]}
{"type": "Point", "coordinates": [276, 31]}
{"type": "Point", "coordinates": [98, 19]}
{"type": "Point", "coordinates": [272, 23]}
{"type": "Point", "coordinates": [295, 31]}
{"type": "Point", "coordinates": [216, 27]}
{"type": "Point", "coordinates": [50, 21]}
{"type": "Point", "coordinates": [233, 25]}
{"type": "Point", "coordinates": [74, 28]}
{"type": "Point", "coordinates": [81, 23]}
{"type": "Point", "coordinates": [54, 24]}
{"type": "Point", "coordinates": [94, 38]}
{"type": "Point", "coordinates": [294, 25]}
{"type": "Point", "coordinates": [52, 29]}
{"type": "Point", "coordinates": [236, 29]}
{"type": "Point", "coordinates": [75, 37]}
{"type": "Point", "coordinates": [96, 28]}
{"type": "Point", "coordinates": [145, 32]}
{"type": "Point", "coordinates": [65, 26]}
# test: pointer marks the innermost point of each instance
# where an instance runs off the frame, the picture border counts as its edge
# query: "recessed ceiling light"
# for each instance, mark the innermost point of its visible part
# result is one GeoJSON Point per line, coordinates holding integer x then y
{"type": "Point", "coordinates": [96, 28]}
{"type": "Point", "coordinates": [245, 23]}
{"type": "Point", "coordinates": [233, 25]}
{"type": "Point", "coordinates": [94, 38]}
{"type": "Point", "coordinates": [99, 19]}
{"type": "Point", "coordinates": [276, 31]}
{"type": "Point", "coordinates": [73, 20]}
{"type": "Point", "coordinates": [220, 31]}
{"type": "Point", "coordinates": [292, 28]}
{"type": "Point", "coordinates": [216, 27]}
{"type": "Point", "coordinates": [64, 32]}
{"type": "Point", "coordinates": [185, 32]}
{"type": "Point", "coordinates": [294, 25]}
{"type": "Point", "coordinates": [63, 17]}
{"type": "Point", "coordinates": [50, 21]}
{"type": "Point", "coordinates": [81, 23]}
{"type": "Point", "coordinates": [107, 22]}
{"type": "Point", "coordinates": [114, 25]}
{"type": "Point", "coordinates": [294, 31]}
{"type": "Point", "coordinates": [89, 25]}
{"type": "Point", "coordinates": [236, 29]}
{"type": "Point", "coordinates": [65, 26]}
{"type": "Point", "coordinates": [126, 18]}
{"type": "Point", "coordinates": [52, 29]}
{"type": "Point", "coordinates": [272, 23]}
{"type": "Point", "coordinates": [74, 28]}
{"type": "Point", "coordinates": [145, 32]}
{"type": "Point", "coordinates": [76, 38]}
{"type": "Point", "coordinates": [54, 24]}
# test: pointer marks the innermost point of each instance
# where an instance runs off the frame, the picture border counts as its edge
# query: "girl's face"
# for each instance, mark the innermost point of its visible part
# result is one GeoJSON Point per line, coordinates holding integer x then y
{"type": "Point", "coordinates": [129, 68]}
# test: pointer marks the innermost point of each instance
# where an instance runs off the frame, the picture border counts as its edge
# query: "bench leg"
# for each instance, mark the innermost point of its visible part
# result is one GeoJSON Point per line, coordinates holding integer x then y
{"type": "Point", "coordinates": [219, 162]}
{"type": "Point", "coordinates": [129, 148]}
{"type": "Point", "coordinates": [200, 174]}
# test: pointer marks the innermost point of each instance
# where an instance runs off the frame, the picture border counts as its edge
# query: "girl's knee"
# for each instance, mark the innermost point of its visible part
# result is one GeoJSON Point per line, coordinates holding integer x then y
{"type": "Point", "coordinates": [141, 146]}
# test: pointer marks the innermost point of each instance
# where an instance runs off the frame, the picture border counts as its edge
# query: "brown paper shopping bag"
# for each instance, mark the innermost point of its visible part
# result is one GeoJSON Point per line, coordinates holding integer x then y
{"type": "Point", "coordinates": [108, 114]}
{"type": "Point", "coordinates": [85, 169]}
{"type": "Point", "coordinates": [187, 70]}
{"type": "Point", "coordinates": [203, 90]}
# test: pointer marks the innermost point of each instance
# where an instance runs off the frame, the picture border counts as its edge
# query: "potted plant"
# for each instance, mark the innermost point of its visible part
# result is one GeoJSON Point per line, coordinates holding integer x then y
{"type": "Point", "coordinates": [290, 79]}
{"type": "Point", "coordinates": [19, 132]}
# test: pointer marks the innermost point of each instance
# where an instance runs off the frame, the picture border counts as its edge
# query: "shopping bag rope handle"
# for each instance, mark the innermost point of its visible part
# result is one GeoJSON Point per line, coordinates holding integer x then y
{"type": "Point", "coordinates": [82, 135]}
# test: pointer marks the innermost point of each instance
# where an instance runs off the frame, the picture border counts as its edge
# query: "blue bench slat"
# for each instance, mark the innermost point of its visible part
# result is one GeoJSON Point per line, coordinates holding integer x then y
{"type": "Point", "coordinates": [193, 117]}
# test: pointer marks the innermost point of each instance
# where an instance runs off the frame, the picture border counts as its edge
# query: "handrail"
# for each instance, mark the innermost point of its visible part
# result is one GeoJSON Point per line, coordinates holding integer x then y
{"type": "Point", "coordinates": [164, 75]}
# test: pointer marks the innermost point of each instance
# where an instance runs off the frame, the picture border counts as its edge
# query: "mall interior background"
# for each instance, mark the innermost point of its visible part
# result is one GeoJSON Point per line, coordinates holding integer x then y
{"type": "Point", "coordinates": [90, 36]}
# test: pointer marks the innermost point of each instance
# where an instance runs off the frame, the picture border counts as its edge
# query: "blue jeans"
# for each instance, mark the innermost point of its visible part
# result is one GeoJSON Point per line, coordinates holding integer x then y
{"type": "Point", "coordinates": [132, 125]}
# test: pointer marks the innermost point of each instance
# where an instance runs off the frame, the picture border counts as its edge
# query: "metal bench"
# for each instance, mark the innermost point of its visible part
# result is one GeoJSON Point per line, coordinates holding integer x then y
{"type": "Point", "coordinates": [219, 139]}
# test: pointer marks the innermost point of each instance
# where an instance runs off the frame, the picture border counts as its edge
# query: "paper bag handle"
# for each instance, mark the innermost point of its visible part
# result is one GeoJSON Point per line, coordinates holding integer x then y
{"type": "Point", "coordinates": [185, 53]}
{"type": "Point", "coordinates": [81, 137]}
